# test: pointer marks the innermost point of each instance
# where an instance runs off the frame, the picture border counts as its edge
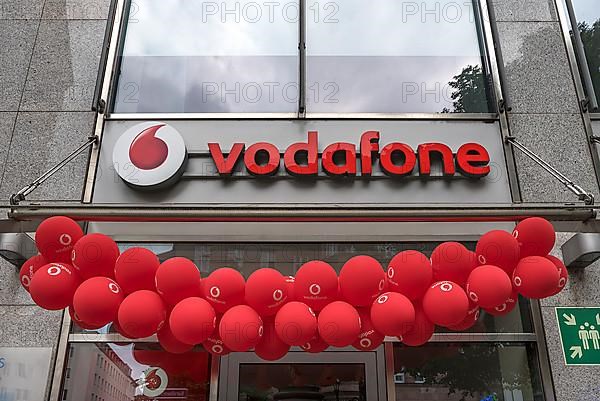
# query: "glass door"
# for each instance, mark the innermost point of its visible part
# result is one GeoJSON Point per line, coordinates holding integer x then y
{"type": "Point", "coordinates": [299, 376]}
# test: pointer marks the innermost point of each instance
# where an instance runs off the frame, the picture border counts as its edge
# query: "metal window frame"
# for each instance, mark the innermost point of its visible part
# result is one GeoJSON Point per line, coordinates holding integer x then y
{"type": "Point", "coordinates": [480, 9]}
{"type": "Point", "coordinates": [566, 26]}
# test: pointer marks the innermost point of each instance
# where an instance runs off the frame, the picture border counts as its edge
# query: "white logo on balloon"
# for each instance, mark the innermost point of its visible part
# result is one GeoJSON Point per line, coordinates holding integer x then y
{"type": "Point", "coordinates": [473, 296]}
{"type": "Point", "coordinates": [446, 287]}
{"type": "Point", "coordinates": [517, 280]}
{"type": "Point", "coordinates": [113, 288]}
{"type": "Point", "coordinates": [391, 272]}
{"type": "Point", "coordinates": [54, 270]}
{"type": "Point", "coordinates": [215, 291]}
{"type": "Point", "coordinates": [382, 299]}
{"type": "Point", "coordinates": [315, 289]}
{"type": "Point", "coordinates": [217, 349]}
{"type": "Point", "coordinates": [481, 259]}
{"type": "Point", "coordinates": [277, 295]}
{"type": "Point", "coordinates": [26, 281]}
{"type": "Point", "coordinates": [381, 284]}
{"type": "Point", "coordinates": [65, 239]}
{"type": "Point", "coordinates": [365, 343]}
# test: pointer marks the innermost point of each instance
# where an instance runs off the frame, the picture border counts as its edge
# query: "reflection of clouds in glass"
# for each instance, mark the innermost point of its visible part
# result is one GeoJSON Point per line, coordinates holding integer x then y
{"type": "Point", "coordinates": [170, 28]}
{"type": "Point", "coordinates": [377, 27]}
{"type": "Point", "coordinates": [396, 28]}
{"type": "Point", "coordinates": [230, 84]}
{"type": "Point", "coordinates": [587, 10]}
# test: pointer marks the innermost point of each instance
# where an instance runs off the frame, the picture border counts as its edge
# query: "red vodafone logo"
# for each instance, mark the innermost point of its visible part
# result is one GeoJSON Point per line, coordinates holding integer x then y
{"type": "Point", "coordinates": [150, 154]}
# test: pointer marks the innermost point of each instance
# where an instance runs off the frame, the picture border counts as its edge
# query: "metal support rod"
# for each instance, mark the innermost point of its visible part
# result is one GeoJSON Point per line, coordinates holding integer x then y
{"type": "Point", "coordinates": [581, 59]}
{"type": "Point", "coordinates": [22, 194]}
{"type": "Point", "coordinates": [302, 66]}
{"type": "Point", "coordinates": [303, 213]}
{"type": "Point", "coordinates": [582, 194]}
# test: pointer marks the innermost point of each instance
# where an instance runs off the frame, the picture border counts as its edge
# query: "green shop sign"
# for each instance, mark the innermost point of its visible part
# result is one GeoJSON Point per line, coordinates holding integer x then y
{"type": "Point", "coordinates": [580, 335]}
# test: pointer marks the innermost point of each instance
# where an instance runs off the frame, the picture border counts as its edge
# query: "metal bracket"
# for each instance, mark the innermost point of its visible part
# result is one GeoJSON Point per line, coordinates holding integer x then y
{"type": "Point", "coordinates": [22, 194]}
{"type": "Point", "coordinates": [583, 195]}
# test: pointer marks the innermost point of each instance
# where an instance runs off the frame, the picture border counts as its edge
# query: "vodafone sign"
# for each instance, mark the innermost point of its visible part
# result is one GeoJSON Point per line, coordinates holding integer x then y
{"type": "Point", "coordinates": [299, 162]}
{"type": "Point", "coordinates": [154, 154]}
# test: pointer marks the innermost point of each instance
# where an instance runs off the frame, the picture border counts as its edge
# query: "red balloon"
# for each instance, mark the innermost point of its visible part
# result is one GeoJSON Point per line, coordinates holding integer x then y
{"type": "Point", "coordinates": [562, 271]}
{"type": "Point", "coordinates": [315, 346]}
{"type": "Point", "coordinates": [339, 324]}
{"type": "Point", "coordinates": [392, 314]}
{"type": "Point", "coordinates": [362, 279]}
{"type": "Point", "coordinates": [445, 303]}
{"type": "Point", "coordinates": [535, 236]}
{"type": "Point", "coordinates": [506, 307]}
{"type": "Point", "coordinates": [97, 301]}
{"type": "Point", "coordinates": [224, 288]}
{"type": "Point", "coordinates": [95, 255]}
{"type": "Point", "coordinates": [536, 277]}
{"type": "Point", "coordinates": [135, 270]}
{"type": "Point", "coordinates": [420, 331]}
{"type": "Point", "coordinates": [498, 248]}
{"type": "Point", "coordinates": [469, 320]}
{"type": "Point", "coordinates": [192, 320]}
{"type": "Point", "coordinates": [53, 285]}
{"type": "Point", "coordinates": [170, 343]}
{"type": "Point", "coordinates": [241, 328]}
{"type": "Point", "coordinates": [55, 238]}
{"type": "Point", "coordinates": [316, 284]}
{"type": "Point", "coordinates": [369, 338]}
{"type": "Point", "coordinates": [178, 279]}
{"type": "Point", "coordinates": [489, 286]}
{"type": "Point", "coordinates": [118, 329]}
{"type": "Point", "coordinates": [81, 323]}
{"type": "Point", "coordinates": [410, 274]}
{"type": "Point", "coordinates": [142, 314]}
{"type": "Point", "coordinates": [295, 323]}
{"type": "Point", "coordinates": [266, 291]}
{"type": "Point", "coordinates": [29, 268]}
{"type": "Point", "coordinates": [271, 347]}
{"type": "Point", "coordinates": [214, 344]}
{"type": "Point", "coordinates": [451, 261]}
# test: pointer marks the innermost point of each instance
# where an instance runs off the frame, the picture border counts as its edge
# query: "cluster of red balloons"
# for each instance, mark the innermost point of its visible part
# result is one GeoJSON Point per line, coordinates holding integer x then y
{"type": "Point", "coordinates": [269, 312]}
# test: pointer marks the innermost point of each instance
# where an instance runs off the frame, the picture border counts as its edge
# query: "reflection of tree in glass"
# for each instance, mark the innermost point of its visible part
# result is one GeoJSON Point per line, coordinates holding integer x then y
{"type": "Point", "coordinates": [469, 91]}
{"type": "Point", "coordinates": [469, 372]}
{"type": "Point", "coordinates": [590, 35]}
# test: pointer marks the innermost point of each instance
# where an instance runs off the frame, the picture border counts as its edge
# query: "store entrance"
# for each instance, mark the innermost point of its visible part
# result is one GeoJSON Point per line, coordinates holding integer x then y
{"type": "Point", "coordinates": [343, 375]}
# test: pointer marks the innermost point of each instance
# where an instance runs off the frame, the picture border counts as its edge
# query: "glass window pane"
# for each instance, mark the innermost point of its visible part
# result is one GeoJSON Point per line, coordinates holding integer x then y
{"type": "Point", "coordinates": [227, 56]}
{"type": "Point", "coordinates": [304, 381]}
{"type": "Point", "coordinates": [287, 258]}
{"type": "Point", "coordinates": [587, 13]}
{"type": "Point", "coordinates": [467, 372]}
{"type": "Point", "coordinates": [395, 56]}
{"type": "Point", "coordinates": [136, 372]}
